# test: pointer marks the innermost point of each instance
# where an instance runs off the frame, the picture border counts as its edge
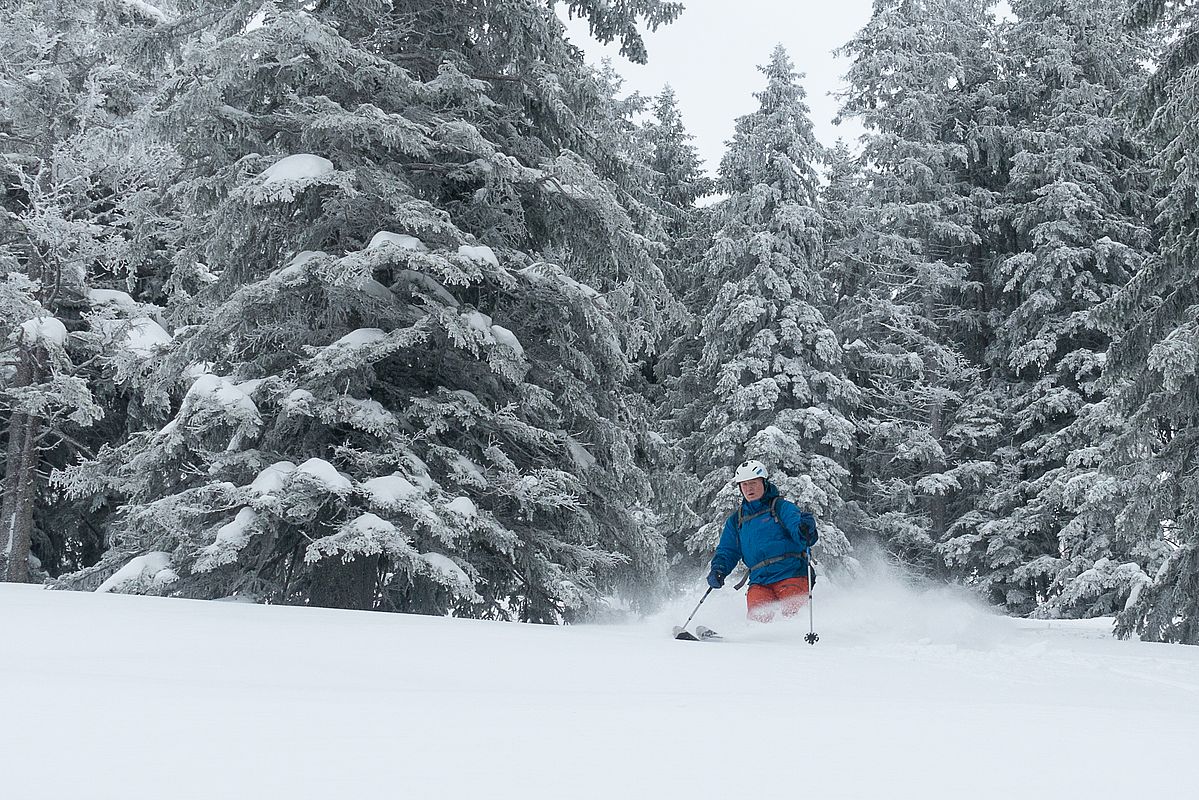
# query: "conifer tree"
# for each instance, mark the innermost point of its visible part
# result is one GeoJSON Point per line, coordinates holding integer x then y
{"type": "Point", "coordinates": [769, 381]}
{"type": "Point", "coordinates": [918, 83]}
{"type": "Point", "coordinates": [848, 242]}
{"type": "Point", "coordinates": [405, 322]}
{"type": "Point", "coordinates": [1073, 215]}
{"type": "Point", "coordinates": [678, 182]}
{"type": "Point", "coordinates": [71, 160]}
{"type": "Point", "coordinates": [1152, 367]}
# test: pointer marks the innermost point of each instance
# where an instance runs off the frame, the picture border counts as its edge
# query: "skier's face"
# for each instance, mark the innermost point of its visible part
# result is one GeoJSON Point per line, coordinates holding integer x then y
{"type": "Point", "coordinates": [753, 490]}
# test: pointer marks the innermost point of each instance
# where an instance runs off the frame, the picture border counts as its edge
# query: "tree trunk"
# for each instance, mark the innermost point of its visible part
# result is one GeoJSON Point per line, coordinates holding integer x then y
{"type": "Point", "coordinates": [937, 503]}
{"type": "Point", "coordinates": [20, 480]}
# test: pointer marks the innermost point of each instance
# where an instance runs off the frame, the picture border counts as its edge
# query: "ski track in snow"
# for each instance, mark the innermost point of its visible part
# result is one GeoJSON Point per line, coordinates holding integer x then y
{"type": "Point", "coordinates": [908, 694]}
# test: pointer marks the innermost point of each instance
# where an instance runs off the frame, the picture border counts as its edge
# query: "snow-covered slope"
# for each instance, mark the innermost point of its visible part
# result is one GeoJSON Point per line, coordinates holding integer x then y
{"type": "Point", "coordinates": [907, 695]}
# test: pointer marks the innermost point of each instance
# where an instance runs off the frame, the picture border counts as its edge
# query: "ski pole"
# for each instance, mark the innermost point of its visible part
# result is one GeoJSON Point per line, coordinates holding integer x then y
{"type": "Point", "coordinates": [812, 636]}
{"type": "Point", "coordinates": [697, 605]}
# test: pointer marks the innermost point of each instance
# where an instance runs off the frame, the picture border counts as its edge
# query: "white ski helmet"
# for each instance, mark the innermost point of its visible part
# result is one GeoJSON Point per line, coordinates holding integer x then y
{"type": "Point", "coordinates": [748, 470]}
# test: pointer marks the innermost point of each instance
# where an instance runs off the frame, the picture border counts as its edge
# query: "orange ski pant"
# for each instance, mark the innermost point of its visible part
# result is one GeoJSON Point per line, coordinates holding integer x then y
{"type": "Point", "coordinates": [789, 596]}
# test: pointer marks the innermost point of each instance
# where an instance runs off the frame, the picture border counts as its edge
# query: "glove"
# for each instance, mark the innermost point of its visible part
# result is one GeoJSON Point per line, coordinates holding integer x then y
{"type": "Point", "coordinates": [715, 579]}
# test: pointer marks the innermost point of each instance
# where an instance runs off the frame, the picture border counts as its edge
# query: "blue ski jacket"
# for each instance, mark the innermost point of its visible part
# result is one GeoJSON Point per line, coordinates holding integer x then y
{"type": "Point", "coordinates": [761, 539]}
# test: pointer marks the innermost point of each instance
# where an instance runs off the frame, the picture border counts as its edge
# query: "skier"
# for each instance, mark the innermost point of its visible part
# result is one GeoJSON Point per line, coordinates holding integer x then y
{"type": "Point", "coordinates": [772, 536]}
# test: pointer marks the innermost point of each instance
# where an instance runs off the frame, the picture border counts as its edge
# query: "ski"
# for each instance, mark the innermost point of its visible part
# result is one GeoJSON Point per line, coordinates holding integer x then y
{"type": "Point", "coordinates": [701, 634]}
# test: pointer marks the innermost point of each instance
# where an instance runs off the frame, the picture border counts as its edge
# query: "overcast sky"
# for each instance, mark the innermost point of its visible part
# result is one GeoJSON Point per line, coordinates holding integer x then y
{"type": "Point", "coordinates": [709, 55]}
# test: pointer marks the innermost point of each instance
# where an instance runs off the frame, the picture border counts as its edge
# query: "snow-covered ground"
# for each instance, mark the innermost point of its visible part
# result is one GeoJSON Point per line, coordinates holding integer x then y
{"type": "Point", "coordinates": [908, 694]}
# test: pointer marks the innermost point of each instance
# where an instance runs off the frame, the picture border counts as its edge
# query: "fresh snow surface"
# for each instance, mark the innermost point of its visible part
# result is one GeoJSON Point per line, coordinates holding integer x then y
{"type": "Point", "coordinates": [909, 694]}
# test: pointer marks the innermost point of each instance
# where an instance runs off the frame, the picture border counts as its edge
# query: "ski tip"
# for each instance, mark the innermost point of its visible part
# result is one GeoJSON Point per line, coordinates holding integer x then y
{"type": "Point", "coordinates": [680, 633]}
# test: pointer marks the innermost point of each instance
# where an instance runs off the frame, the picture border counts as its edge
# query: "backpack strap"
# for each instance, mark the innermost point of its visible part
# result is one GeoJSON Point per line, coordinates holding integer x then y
{"type": "Point", "coordinates": [774, 512]}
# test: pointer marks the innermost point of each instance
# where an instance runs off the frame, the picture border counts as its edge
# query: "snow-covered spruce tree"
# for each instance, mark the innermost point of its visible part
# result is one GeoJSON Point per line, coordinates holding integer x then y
{"type": "Point", "coordinates": [918, 82]}
{"type": "Point", "coordinates": [848, 242]}
{"type": "Point", "coordinates": [72, 159]}
{"type": "Point", "coordinates": [1073, 216]}
{"type": "Point", "coordinates": [679, 181]}
{"type": "Point", "coordinates": [768, 382]}
{"type": "Point", "coordinates": [1152, 368]}
{"type": "Point", "coordinates": [407, 313]}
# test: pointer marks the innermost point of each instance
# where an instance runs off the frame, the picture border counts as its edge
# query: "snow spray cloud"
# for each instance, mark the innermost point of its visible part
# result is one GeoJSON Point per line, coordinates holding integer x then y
{"type": "Point", "coordinates": [882, 604]}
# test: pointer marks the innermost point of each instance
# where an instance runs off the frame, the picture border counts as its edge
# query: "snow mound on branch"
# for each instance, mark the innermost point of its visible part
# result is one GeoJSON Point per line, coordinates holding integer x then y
{"type": "Point", "coordinates": [401, 240]}
{"type": "Point", "coordinates": [113, 297]}
{"type": "Point", "coordinates": [291, 175]}
{"type": "Point", "coordinates": [147, 11]}
{"type": "Point", "coordinates": [372, 524]}
{"type": "Point", "coordinates": [142, 336]}
{"type": "Point", "coordinates": [299, 402]}
{"type": "Point", "coordinates": [298, 167]}
{"type": "Point", "coordinates": [542, 272]}
{"type": "Point", "coordinates": [463, 506]}
{"type": "Point", "coordinates": [230, 539]}
{"type": "Point", "coordinates": [480, 254]}
{"type": "Point", "coordinates": [152, 569]}
{"type": "Point", "coordinates": [507, 337]}
{"type": "Point", "coordinates": [451, 574]}
{"type": "Point", "coordinates": [390, 491]}
{"type": "Point", "coordinates": [44, 330]}
{"type": "Point", "coordinates": [146, 336]}
{"type": "Point", "coordinates": [366, 534]}
{"type": "Point", "coordinates": [361, 337]}
{"type": "Point", "coordinates": [478, 321]}
{"type": "Point", "coordinates": [219, 391]}
{"type": "Point", "coordinates": [367, 415]}
{"type": "Point", "coordinates": [326, 474]}
{"type": "Point", "coordinates": [295, 267]}
{"type": "Point", "coordinates": [272, 478]}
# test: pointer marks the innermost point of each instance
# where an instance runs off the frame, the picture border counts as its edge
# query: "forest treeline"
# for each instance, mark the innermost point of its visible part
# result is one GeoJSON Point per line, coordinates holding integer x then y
{"type": "Point", "coordinates": [400, 305]}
